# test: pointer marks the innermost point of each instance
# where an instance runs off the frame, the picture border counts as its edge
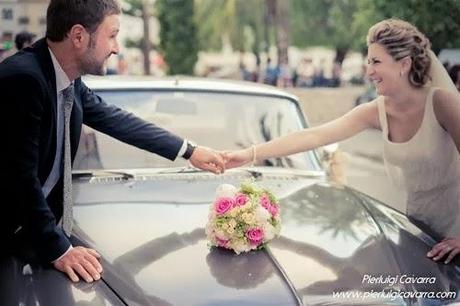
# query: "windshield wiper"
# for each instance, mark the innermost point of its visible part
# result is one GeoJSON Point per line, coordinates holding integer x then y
{"type": "Point", "coordinates": [260, 172]}
{"type": "Point", "coordinates": [179, 170]}
{"type": "Point", "coordinates": [254, 173]}
{"type": "Point", "coordinates": [94, 173]}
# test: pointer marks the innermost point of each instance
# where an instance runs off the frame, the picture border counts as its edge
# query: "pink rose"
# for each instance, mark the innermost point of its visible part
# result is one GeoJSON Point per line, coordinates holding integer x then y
{"type": "Point", "coordinates": [222, 242]}
{"type": "Point", "coordinates": [273, 210]}
{"type": "Point", "coordinates": [255, 236]}
{"type": "Point", "coordinates": [265, 202]}
{"type": "Point", "coordinates": [241, 199]}
{"type": "Point", "coordinates": [224, 204]}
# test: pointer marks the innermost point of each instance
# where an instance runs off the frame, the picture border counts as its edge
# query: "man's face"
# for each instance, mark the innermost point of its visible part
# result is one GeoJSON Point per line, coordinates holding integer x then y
{"type": "Point", "coordinates": [102, 44]}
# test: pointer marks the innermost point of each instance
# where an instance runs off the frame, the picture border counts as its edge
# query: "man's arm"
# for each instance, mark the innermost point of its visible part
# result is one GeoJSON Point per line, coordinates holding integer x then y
{"type": "Point", "coordinates": [127, 127]}
{"type": "Point", "coordinates": [130, 129]}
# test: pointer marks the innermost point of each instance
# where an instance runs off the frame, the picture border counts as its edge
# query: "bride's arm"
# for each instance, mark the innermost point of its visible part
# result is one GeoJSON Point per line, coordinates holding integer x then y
{"type": "Point", "coordinates": [358, 119]}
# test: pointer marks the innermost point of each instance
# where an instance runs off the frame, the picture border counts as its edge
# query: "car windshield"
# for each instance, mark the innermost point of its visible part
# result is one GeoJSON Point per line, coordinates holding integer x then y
{"type": "Point", "coordinates": [222, 121]}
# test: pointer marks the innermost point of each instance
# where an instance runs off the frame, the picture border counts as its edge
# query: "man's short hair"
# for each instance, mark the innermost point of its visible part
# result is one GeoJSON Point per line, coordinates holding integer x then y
{"type": "Point", "coordinates": [62, 15]}
{"type": "Point", "coordinates": [23, 38]}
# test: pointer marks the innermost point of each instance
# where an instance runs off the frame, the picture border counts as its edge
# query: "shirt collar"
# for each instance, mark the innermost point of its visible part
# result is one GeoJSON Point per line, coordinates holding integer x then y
{"type": "Point", "coordinates": [62, 80]}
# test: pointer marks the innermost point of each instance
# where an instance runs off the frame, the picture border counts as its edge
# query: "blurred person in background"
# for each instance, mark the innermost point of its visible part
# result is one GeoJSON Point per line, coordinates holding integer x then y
{"type": "Point", "coordinates": [285, 75]}
{"type": "Point", "coordinates": [271, 73]}
{"type": "Point", "coordinates": [23, 40]}
{"type": "Point", "coordinates": [305, 72]}
{"type": "Point", "coordinates": [336, 80]}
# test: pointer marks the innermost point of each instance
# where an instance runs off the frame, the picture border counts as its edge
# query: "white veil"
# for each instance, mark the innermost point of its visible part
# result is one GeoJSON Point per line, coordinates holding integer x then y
{"type": "Point", "coordinates": [439, 76]}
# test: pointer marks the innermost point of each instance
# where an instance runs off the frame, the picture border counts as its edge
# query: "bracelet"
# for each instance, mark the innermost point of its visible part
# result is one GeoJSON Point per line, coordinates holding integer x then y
{"type": "Point", "coordinates": [254, 159]}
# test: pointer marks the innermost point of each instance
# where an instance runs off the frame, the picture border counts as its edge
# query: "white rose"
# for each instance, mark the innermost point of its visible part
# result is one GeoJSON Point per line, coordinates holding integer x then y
{"type": "Point", "coordinates": [225, 226]}
{"type": "Point", "coordinates": [269, 232]}
{"type": "Point", "coordinates": [234, 212]}
{"type": "Point", "coordinates": [226, 190]}
{"type": "Point", "coordinates": [262, 215]}
{"type": "Point", "coordinates": [248, 217]}
{"type": "Point", "coordinates": [240, 247]}
{"type": "Point", "coordinates": [232, 223]}
{"type": "Point", "coordinates": [221, 235]}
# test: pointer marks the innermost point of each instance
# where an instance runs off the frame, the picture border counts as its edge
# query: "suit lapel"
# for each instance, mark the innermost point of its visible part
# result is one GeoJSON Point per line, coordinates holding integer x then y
{"type": "Point", "coordinates": [46, 64]}
{"type": "Point", "coordinates": [40, 49]}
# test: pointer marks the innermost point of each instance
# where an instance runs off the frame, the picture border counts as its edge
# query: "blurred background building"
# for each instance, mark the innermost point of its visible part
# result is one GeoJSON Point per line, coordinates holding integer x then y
{"type": "Point", "coordinates": [21, 15]}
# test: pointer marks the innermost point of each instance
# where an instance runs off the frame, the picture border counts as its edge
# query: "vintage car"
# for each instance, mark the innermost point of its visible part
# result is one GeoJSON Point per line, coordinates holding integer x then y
{"type": "Point", "coordinates": [146, 216]}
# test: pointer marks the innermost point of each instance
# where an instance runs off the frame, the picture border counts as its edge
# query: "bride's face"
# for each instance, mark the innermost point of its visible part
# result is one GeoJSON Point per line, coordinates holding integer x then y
{"type": "Point", "coordinates": [383, 70]}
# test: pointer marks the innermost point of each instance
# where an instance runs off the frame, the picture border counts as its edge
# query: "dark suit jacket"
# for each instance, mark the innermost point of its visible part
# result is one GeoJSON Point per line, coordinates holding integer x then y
{"type": "Point", "coordinates": [28, 127]}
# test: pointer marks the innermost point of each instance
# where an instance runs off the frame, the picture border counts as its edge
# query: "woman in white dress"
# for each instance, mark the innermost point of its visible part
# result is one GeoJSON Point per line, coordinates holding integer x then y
{"type": "Point", "coordinates": [418, 112]}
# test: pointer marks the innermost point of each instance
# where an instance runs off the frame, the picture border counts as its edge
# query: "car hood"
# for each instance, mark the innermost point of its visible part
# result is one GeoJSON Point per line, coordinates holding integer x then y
{"type": "Point", "coordinates": [150, 232]}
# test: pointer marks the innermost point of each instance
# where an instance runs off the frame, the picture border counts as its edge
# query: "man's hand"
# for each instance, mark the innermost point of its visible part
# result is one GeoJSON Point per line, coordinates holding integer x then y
{"type": "Point", "coordinates": [80, 261]}
{"type": "Point", "coordinates": [207, 159]}
{"type": "Point", "coordinates": [238, 158]}
{"type": "Point", "coordinates": [449, 246]}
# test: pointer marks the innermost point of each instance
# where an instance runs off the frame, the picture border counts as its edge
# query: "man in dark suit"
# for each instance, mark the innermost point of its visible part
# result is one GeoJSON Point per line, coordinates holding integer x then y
{"type": "Point", "coordinates": [44, 103]}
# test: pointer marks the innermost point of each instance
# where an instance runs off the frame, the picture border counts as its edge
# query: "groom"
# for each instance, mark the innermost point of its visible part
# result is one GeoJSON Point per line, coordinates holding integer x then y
{"type": "Point", "coordinates": [44, 104]}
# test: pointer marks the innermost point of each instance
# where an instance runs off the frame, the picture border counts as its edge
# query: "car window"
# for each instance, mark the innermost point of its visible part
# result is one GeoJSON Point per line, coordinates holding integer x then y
{"type": "Point", "coordinates": [223, 121]}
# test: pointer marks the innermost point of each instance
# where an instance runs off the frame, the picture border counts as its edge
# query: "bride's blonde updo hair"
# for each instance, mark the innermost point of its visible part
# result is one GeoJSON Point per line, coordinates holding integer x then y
{"type": "Point", "coordinates": [401, 39]}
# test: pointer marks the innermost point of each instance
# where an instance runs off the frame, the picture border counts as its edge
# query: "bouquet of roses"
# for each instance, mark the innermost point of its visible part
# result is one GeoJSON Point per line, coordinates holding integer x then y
{"type": "Point", "coordinates": [243, 219]}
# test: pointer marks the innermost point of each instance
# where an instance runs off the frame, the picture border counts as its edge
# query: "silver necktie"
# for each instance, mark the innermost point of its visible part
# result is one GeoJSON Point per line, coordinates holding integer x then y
{"type": "Point", "coordinates": [67, 217]}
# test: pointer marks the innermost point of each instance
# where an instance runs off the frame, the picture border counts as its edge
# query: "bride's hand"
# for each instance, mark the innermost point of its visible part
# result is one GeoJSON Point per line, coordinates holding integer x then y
{"type": "Point", "coordinates": [449, 246]}
{"type": "Point", "coordinates": [238, 158]}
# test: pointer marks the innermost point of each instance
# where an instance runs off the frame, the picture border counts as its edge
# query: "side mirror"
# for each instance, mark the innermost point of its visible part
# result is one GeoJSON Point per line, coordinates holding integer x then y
{"type": "Point", "coordinates": [334, 162]}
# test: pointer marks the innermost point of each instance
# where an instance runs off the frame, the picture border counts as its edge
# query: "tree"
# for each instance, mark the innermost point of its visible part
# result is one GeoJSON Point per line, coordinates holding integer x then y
{"type": "Point", "coordinates": [438, 20]}
{"type": "Point", "coordinates": [324, 23]}
{"type": "Point", "coordinates": [178, 40]}
{"type": "Point", "coordinates": [343, 24]}
{"type": "Point", "coordinates": [239, 21]}
{"type": "Point", "coordinates": [215, 19]}
{"type": "Point", "coordinates": [279, 9]}
{"type": "Point", "coordinates": [141, 8]}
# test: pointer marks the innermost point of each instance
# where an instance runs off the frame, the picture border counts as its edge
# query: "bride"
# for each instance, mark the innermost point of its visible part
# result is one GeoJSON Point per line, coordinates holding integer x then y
{"type": "Point", "coordinates": [418, 112]}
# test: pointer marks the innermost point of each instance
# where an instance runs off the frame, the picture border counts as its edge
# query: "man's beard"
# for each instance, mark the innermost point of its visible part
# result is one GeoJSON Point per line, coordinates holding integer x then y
{"type": "Point", "coordinates": [89, 63]}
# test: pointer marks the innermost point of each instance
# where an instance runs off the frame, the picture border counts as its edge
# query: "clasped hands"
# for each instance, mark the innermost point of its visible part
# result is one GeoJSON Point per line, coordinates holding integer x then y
{"type": "Point", "coordinates": [217, 161]}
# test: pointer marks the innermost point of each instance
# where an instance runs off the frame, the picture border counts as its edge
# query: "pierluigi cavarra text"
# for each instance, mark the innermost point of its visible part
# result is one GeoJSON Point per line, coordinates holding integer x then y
{"type": "Point", "coordinates": [397, 279]}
